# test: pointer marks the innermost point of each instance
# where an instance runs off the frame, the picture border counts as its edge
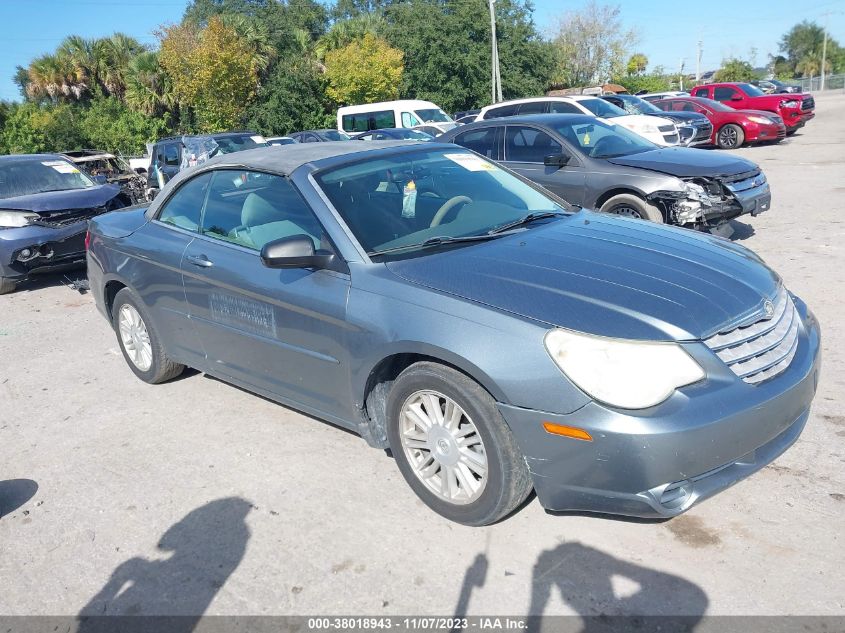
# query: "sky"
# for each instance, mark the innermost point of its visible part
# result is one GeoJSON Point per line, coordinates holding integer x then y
{"type": "Point", "coordinates": [667, 31]}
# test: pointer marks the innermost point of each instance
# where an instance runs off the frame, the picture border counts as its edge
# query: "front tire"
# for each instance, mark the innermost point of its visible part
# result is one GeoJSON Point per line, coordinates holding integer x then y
{"type": "Point", "coordinates": [730, 137]}
{"type": "Point", "coordinates": [631, 206]}
{"type": "Point", "coordinates": [453, 447]}
{"type": "Point", "coordinates": [139, 340]}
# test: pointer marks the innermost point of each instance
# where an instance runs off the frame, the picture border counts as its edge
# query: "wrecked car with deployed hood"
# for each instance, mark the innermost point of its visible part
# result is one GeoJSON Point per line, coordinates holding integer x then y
{"type": "Point", "coordinates": [104, 167]}
{"type": "Point", "coordinates": [602, 166]}
{"type": "Point", "coordinates": [493, 338]}
{"type": "Point", "coordinates": [45, 204]}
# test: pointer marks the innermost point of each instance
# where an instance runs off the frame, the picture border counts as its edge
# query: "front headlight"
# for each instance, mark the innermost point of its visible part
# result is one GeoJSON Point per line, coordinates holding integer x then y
{"type": "Point", "coordinates": [760, 119]}
{"type": "Point", "coordinates": [647, 129]}
{"type": "Point", "coordinates": [16, 219]}
{"type": "Point", "coordinates": [622, 373]}
{"type": "Point", "coordinates": [790, 104]}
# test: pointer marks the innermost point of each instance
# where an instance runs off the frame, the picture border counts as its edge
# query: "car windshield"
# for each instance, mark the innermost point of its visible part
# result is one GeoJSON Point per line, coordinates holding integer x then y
{"type": "Point", "coordinates": [33, 175]}
{"type": "Point", "coordinates": [635, 105]}
{"type": "Point", "coordinates": [598, 139]}
{"type": "Point", "coordinates": [399, 201]}
{"type": "Point", "coordinates": [238, 143]}
{"type": "Point", "coordinates": [414, 135]}
{"type": "Point", "coordinates": [334, 135]}
{"type": "Point", "coordinates": [751, 91]}
{"type": "Point", "coordinates": [433, 115]}
{"type": "Point", "coordinates": [602, 108]}
{"type": "Point", "coordinates": [776, 82]}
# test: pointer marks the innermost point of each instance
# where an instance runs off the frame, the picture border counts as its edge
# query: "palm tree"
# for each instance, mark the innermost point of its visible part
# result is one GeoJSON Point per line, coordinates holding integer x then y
{"type": "Point", "coordinates": [53, 76]}
{"type": "Point", "coordinates": [344, 32]}
{"type": "Point", "coordinates": [118, 51]}
{"type": "Point", "coordinates": [82, 56]}
{"type": "Point", "coordinates": [148, 88]}
{"type": "Point", "coordinates": [256, 35]}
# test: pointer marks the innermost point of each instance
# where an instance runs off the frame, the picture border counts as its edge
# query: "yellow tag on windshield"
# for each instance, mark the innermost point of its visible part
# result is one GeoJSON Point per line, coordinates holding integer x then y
{"type": "Point", "coordinates": [587, 138]}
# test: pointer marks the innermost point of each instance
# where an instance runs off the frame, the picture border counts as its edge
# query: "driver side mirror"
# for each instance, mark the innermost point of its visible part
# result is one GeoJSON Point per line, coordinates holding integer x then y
{"type": "Point", "coordinates": [295, 251]}
{"type": "Point", "coordinates": [556, 160]}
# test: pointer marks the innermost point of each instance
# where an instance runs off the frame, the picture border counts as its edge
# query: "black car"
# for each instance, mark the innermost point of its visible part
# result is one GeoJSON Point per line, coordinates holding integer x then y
{"type": "Point", "coordinates": [598, 165]}
{"type": "Point", "coordinates": [320, 136]}
{"type": "Point", "coordinates": [171, 155]}
{"type": "Point", "coordinates": [693, 128]}
{"type": "Point", "coordinates": [773, 86]}
{"type": "Point", "coordinates": [104, 168]}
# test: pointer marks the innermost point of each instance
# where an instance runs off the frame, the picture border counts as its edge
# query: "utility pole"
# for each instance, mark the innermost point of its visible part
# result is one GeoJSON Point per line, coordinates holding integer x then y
{"type": "Point", "coordinates": [681, 74]}
{"type": "Point", "coordinates": [495, 75]}
{"type": "Point", "coordinates": [698, 63]}
{"type": "Point", "coordinates": [824, 49]}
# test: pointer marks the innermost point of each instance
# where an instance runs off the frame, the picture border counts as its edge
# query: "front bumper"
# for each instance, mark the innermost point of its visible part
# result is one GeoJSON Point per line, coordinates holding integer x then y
{"type": "Point", "coordinates": [661, 461]}
{"type": "Point", "coordinates": [57, 248]}
{"type": "Point", "coordinates": [757, 133]}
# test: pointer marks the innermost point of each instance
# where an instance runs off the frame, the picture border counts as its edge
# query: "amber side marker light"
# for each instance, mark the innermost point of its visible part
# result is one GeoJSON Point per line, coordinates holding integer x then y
{"type": "Point", "coordinates": [567, 431]}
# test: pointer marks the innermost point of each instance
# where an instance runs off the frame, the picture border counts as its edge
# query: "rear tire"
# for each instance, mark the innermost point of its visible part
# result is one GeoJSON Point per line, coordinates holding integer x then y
{"type": "Point", "coordinates": [139, 341]}
{"type": "Point", "coordinates": [7, 285]}
{"type": "Point", "coordinates": [631, 206]}
{"type": "Point", "coordinates": [468, 446]}
{"type": "Point", "coordinates": [730, 136]}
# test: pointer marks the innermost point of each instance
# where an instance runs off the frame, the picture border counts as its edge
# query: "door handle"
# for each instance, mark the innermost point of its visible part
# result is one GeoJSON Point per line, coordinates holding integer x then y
{"type": "Point", "coordinates": [199, 260]}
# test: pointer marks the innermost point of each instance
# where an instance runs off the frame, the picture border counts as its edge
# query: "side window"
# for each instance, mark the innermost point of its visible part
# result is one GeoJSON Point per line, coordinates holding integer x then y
{"type": "Point", "coordinates": [171, 154]}
{"type": "Point", "coordinates": [183, 208]}
{"type": "Point", "coordinates": [528, 145]}
{"type": "Point", "coordinates": [562, 107]}
{"type": "Point", "coordinates": [409, 120]}
{"type": "Point", "coordinates": [495, 113]}
{"type": "Point", "coordinates": [252, 209]}
{"type": "Point", "coordinates": [534, 107]}
{"type": "Point", "coordinates": [724, 93]}
{"type": "Point", "coordinates": [482, 141]}
{"type": "Point", "coordinates": [699, 92]}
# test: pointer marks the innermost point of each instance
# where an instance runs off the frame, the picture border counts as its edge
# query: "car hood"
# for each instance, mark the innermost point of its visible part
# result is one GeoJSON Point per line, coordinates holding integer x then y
{"type": "Point", "coordinates": [773, 100]}
{"type": "Point", "coordinates": [60, 200]}
{"type": "Point", "coordinates": [607, 276]}
{"type": "Point", "coordinates": [693, 117]}
{"type": "Point", "coordinates": [685, 162]}
{"type": "Point", "coordinates": [639, 121]}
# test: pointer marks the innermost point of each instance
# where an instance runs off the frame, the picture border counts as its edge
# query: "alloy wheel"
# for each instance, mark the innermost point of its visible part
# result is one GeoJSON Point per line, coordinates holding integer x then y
{"type": "Point", "coordinates": [728, 137]}
{"type": "Point", "coordinates": [443, 447]}
{"type": "Point", "coordinates": [134, 337]}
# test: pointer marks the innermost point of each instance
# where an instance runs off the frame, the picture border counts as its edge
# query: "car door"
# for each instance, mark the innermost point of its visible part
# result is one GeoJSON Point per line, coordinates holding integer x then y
{"type": "Point", "coordinates": [701, 91]}
{"type": "Point", "coordinates": [160, 245]}
{"type": "Point", "coordinates": [525, 150]}
{"type": "Point", "coordinates": [728, 95]}
{"type": "Point", "coordinates": [280, 331]}
{"type": "Point", "coordinates": [482, 140]}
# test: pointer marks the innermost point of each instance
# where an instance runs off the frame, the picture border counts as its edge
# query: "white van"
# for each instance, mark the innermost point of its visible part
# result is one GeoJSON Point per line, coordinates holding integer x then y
{"type": "Point", "coordinates": [386, 114]}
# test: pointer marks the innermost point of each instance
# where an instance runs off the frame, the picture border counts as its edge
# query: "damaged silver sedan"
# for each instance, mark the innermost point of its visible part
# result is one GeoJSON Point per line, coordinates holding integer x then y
{"type": "Point", "coordinates": [595, 164]}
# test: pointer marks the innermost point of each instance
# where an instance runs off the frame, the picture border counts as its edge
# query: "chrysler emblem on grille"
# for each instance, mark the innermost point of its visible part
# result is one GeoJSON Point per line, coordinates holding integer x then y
{"type": "Point", "coordinates": [768, 309]}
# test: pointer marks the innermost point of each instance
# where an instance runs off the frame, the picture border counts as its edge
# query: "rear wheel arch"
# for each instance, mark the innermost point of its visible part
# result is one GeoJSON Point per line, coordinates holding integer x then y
{"type": "Point", "coordinates": [110, 291]}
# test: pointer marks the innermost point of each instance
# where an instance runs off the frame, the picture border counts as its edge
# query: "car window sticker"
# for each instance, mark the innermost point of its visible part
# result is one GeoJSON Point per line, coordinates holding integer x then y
{"type": "Point", "coordinates": [471, 162]}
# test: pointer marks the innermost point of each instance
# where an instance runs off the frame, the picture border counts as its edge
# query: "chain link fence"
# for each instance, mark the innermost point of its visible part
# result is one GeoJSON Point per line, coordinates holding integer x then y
{"type": "Point", "coordinates": [814, 84]}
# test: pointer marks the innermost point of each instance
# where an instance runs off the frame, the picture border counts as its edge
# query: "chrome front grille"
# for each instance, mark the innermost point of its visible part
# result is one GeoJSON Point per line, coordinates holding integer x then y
{"type": "Point", "coordinates": [763, 349]}
{"type": "Point", "coordinates": [808, 103]}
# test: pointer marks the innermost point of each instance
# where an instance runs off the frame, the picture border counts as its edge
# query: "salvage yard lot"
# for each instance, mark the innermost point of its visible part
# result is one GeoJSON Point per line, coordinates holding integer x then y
{"type": "Point", "coordinates": [204, 498]}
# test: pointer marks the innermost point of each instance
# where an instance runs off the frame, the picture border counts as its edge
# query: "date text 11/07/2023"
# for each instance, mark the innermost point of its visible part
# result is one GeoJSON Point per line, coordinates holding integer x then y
{"type": "Point", "coordinates": [432, 623]}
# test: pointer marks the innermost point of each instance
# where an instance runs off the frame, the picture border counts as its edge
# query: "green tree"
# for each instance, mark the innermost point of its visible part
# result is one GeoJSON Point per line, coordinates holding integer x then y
{"type": "Point", "coordinates": [213, 71]}
{"type": "Point", "coordinates": [637, 64]}
{"type": "Point", "coordinates": [652, 82]}
{"type": "Point", "coordinates": [447, 50]}
{"type": "Point", "coordinates": [292, 98]}
{"type": "Point", "coordinates": [802, 49]}
{"type": "Point", "coordinates": [110, 125]}
{"type": "Point", "coordinates": [31, 128]}
{"type": "Point", "coordinates": [365, 70]}
{"type": "Point", "coordinates": [735, 70]}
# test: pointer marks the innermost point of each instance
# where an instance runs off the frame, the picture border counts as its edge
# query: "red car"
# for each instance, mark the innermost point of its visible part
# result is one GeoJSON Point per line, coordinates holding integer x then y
{"type": "Point", "coordinates": [794, 109]}
{"type": "Point", "coordinates": [731, 128]}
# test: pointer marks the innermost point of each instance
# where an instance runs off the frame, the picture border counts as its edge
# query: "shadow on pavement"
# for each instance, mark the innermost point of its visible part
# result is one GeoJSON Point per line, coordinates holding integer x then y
{"type": "Point", "coordinates": [207, 546]}
{"type": "Point", "coordinates": [584, 576]}
{"type": "Point", "coordinates": [742, 231]}
{"type": "Point", "coordinates": [14, 493]}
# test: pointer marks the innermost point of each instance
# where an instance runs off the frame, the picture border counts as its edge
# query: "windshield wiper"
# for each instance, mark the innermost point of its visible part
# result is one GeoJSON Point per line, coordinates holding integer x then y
{"type": "Point", "coordinates": [526, 219]}
{"type": "Point", "coordinates": [435, 241]}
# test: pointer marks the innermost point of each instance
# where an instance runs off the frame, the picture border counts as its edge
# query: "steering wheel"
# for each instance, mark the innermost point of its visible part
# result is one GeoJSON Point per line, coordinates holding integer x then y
{"type": "Point", "coordinates": [450, 204]}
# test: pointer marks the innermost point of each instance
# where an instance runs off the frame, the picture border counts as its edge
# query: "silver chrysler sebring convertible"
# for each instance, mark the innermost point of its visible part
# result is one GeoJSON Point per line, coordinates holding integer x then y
{"type": "Point", "coordinates": [494, 339]}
